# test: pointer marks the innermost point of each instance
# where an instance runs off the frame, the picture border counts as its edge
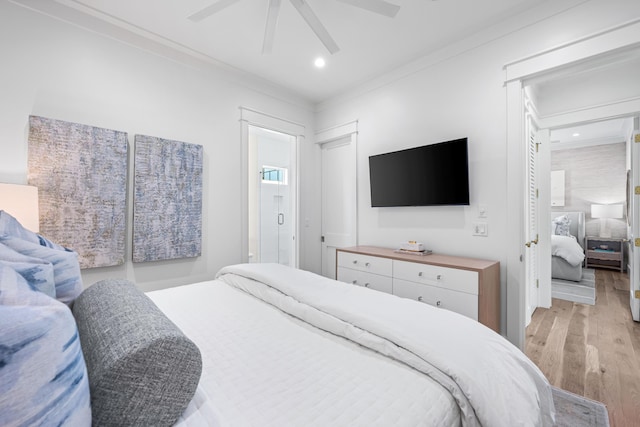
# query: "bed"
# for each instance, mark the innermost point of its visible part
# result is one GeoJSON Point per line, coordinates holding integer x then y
{"type": "Point", "coordinates": [567, 245]}
{"type": "Point", "coordinates": [260, 345]}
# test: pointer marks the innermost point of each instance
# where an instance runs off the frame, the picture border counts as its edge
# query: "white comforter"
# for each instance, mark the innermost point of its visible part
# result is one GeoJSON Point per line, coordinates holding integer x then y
{"type": "Point", "coordinates": [492, 382]}
{"type": "Point", "coordinates": [568, 248]}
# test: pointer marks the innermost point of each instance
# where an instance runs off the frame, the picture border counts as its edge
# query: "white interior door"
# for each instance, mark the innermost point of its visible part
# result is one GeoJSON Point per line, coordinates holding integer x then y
{"type": "Point", "coordinates": [532, 218]}
{"type": "Point", "coordinates": [339, 199]}
{"type": "Point", "coordinates": [634, 255]}
{"type": "Point", "coordinates": [543, 167]}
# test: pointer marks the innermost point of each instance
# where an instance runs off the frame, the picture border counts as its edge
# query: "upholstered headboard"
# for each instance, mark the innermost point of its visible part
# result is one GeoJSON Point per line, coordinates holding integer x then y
{"type": "Point", "coordinates": [576, 227]}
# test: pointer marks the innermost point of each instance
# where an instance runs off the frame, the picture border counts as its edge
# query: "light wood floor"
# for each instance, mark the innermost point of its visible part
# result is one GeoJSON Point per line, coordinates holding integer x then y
{"type": "Point", "coordinates": [593, 351]}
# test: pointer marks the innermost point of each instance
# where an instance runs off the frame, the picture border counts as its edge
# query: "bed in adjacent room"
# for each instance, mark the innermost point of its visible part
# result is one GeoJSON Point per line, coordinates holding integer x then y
{"type": "Point", "coordinates": [567, 245]}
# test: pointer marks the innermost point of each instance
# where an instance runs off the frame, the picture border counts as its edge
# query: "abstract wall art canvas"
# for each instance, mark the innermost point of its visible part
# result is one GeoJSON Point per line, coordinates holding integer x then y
{"type": "Point", "coordinates": [81, 175]}
{"type": "Point", "coordinates": [167, 205]}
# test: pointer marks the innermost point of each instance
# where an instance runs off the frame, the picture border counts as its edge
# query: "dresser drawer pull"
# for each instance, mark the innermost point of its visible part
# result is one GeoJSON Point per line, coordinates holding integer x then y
{"type": "Point", "coordinates": [354, 282]}
{"type": "Point", "coordinates": [439, 303]}
{"type": "Point", "coordinates": [420, 298]}
{"type": "Point", "coordinates": [438, 277]}
{"type": "Point", "coordinates": [366, 285]}
{"type": "Point", "coordinates": [367, 264]}
{"type": "Point", "coordinates": [355, 261]}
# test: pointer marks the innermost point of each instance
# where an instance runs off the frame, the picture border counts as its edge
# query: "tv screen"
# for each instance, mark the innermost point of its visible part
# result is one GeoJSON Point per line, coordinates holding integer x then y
{"type": "Point", "coordinates": [436, 174]}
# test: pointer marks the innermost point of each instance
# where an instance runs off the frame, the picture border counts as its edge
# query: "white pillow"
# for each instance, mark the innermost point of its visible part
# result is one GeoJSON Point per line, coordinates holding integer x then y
{"type": "Point", "coordinates": [561, 226]}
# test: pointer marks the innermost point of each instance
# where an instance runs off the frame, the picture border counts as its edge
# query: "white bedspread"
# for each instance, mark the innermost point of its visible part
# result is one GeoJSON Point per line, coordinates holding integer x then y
{"type": "Point", "coordinates": [568, 248]}
{"type": "Point", "coordinates": [262, 367]}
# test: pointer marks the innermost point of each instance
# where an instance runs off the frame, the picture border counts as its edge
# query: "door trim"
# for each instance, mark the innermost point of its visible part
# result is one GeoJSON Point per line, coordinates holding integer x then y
{"type": "Point", "coordinates": [625, 36]}
{"type": "Point", "coordinates": [263, 120]}
{"type": "Point", "coordinates": [345, 131]}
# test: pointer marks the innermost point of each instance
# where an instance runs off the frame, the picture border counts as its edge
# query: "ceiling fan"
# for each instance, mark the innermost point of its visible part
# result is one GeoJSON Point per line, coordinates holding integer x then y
{"type": "Point", "coordinates": [381, 7]}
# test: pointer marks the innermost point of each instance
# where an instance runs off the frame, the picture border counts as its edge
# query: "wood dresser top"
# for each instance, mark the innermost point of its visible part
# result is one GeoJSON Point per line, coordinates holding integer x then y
{"type": "Point", "coordinates": [473, 264]}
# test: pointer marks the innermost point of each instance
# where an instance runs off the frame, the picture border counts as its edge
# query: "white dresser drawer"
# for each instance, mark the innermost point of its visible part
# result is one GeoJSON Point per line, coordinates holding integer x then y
{"type": "Point", "coordinates": [368, 263]}
{"type": "Point", "coordinates": [443, 277]}
{"type": "Point", "coordinates": [460, 302]}
{"type": "Point", "coordinates": [368, 280]}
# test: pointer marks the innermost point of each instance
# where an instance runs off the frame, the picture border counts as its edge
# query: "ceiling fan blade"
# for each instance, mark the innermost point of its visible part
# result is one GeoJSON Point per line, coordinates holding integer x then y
{"type": "Point", "coordinates": [381, 7]}
{"type": "Point", "coordinates": [270, 28]}
{"type": "Point", "coordinates": [314, 23]}
{"type": "Point", "coordinates": [211, 9]}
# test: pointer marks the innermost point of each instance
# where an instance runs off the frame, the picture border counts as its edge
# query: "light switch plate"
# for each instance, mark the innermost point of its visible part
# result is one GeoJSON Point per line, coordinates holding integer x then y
{"type": "Point", "coordinates": [480, 229]}
{"type": "Point", "coordinates": [482, 211]}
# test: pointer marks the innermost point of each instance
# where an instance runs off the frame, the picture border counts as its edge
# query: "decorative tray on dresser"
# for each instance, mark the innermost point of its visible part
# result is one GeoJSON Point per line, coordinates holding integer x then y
{"type": "Point", "coordinates": [468, 286]}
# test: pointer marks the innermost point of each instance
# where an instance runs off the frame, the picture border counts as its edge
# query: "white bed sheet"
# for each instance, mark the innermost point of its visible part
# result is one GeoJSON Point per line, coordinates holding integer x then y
{"type": "Point", "coordinates": [262, 367]}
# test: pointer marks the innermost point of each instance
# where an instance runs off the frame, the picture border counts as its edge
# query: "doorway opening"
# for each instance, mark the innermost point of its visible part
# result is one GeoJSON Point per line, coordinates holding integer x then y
{"type": "Point", "coordinates": [580, 82]}
{"type": "Point", "coordinates": [272, 197]}
{"type": "Point", "coordinates": [589, 164]}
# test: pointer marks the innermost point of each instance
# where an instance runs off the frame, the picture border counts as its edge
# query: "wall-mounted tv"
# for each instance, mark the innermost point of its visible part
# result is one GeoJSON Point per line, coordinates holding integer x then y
{"type": "Point", "coordinates": [435, 174]}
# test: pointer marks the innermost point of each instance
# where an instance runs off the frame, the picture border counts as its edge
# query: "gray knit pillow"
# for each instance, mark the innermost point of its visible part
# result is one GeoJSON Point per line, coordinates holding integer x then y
{"type": "Point", "coordinates": [142, 369]}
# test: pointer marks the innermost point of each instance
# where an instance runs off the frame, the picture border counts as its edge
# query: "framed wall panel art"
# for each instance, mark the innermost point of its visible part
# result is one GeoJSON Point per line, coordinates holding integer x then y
{"type": "Point", "coordinates": [167, 201]}
{"type": "Point", "coordinates": [81, 175]}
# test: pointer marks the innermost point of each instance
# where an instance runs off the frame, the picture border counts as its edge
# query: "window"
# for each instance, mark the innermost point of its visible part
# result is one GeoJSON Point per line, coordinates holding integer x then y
{"type": "Point", "coordinates": [274, 175]}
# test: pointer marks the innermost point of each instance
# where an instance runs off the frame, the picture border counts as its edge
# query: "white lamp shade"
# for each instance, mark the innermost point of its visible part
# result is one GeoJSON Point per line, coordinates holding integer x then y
{"type": "Point", "coordinates": [21, 202]}
{"type": "Point", "coordinates": [606, 211]}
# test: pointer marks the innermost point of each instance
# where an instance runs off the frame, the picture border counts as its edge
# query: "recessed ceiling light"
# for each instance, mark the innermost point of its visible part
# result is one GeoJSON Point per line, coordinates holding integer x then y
{"type": "Point", "coordinates": [576, 134]}
{"type": "Point", "coordinates": [319, 62]}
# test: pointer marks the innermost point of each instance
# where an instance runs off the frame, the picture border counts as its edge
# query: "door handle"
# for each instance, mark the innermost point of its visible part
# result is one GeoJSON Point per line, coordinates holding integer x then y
{"type": "Point", "coordinates": [280, 219]}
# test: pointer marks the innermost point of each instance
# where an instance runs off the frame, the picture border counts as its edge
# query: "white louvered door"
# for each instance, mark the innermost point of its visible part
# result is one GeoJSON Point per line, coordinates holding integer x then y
{"type": "Point", "coordinates": [532, 222]}
{"type": "Point", "coordinates": [634, 222]}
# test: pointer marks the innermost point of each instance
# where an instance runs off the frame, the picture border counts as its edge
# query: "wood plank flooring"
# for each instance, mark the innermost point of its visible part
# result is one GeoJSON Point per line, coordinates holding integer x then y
{"type": "Point", "coordinates": [593, 351]}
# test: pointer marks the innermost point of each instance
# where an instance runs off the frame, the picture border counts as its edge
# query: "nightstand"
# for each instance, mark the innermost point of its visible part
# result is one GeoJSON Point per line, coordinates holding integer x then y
{"type": "Point", "coordinates": [605, 252]}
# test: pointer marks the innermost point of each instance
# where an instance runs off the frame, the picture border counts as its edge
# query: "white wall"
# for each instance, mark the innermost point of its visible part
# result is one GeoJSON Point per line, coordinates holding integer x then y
{"type": "Point", "coordinates": [454, 93]}
{"type": "Point", "coordinates": [55, 69]}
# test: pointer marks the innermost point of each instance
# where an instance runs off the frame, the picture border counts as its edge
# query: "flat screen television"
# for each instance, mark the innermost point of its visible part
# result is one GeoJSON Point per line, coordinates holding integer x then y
{"type": "Point", "coordinates": [431, 175]}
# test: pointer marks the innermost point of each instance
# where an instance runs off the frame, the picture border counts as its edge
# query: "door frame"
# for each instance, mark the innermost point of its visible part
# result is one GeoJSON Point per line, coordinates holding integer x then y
{"type": "Point", "coordinates": [251, 117]}
{"type": "Point", "coordinates": [325, 136]}
{"type": "Point", "coordinates": [257, 186]}
{"type": "Point", "coordinates": [625, 36]}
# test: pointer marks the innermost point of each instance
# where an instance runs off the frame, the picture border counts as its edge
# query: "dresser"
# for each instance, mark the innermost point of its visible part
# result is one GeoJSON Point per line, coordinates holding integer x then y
{"type": "Point", "coordinates": [467, 286]}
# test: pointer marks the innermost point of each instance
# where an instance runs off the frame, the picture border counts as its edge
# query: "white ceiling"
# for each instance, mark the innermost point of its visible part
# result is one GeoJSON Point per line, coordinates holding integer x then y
{"type": "Point", "coordinates": [598, 133]}
{"type": "Point", "coordinates": [370, 44]}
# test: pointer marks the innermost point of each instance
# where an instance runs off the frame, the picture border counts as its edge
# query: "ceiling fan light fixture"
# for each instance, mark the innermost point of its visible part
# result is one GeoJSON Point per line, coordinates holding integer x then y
{"type": "Point", "coordinates": [270, 27]}
{"type": "Point", "coordinates": [382, 7]}
{"type": "Point", "coordinates": [316, 26]}
{"type": "Point", "coordinates": [319, 62]}
{"type": "Point", "coordinates": [210, 10]}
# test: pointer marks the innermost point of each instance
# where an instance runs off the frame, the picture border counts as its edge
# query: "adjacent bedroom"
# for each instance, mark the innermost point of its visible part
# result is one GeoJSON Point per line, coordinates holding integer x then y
{"type": "Point", "coordinates": [329, 213]}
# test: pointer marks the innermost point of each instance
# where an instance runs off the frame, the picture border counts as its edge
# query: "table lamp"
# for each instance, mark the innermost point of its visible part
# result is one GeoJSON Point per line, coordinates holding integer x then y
{"type": "Point", "coordinates": [21, 202]}
{"type": "Point", "coordinates": [603, 212]}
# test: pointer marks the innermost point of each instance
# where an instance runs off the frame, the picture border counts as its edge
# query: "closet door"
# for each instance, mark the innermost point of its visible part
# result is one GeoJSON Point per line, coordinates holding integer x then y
{"type": "Point", "coordinates": [532, 224]}
{"type": "Point", "coordinates": [339, 200]}
{"type": "Point", "coordinates": [634, 224]}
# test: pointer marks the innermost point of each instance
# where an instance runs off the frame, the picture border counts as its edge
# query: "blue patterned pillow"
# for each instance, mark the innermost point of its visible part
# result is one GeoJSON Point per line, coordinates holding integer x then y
{"type": "Point", "coordinates": [66, 268]}
{"type": "Point", "coordinates": [43, 376]}
{"type": "Point", "coordinates": [9, 226]}
{"type": "Point", "coordinates": [561, 225]}
{"type": "Point", "coordinates": [37, 273]}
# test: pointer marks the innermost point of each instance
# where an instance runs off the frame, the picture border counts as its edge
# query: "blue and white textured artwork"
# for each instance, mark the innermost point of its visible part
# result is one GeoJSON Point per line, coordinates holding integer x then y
{"type": "Point", "coordinates": [81, 175]}
{"type": "Point", "coordinates": [167, 205]}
